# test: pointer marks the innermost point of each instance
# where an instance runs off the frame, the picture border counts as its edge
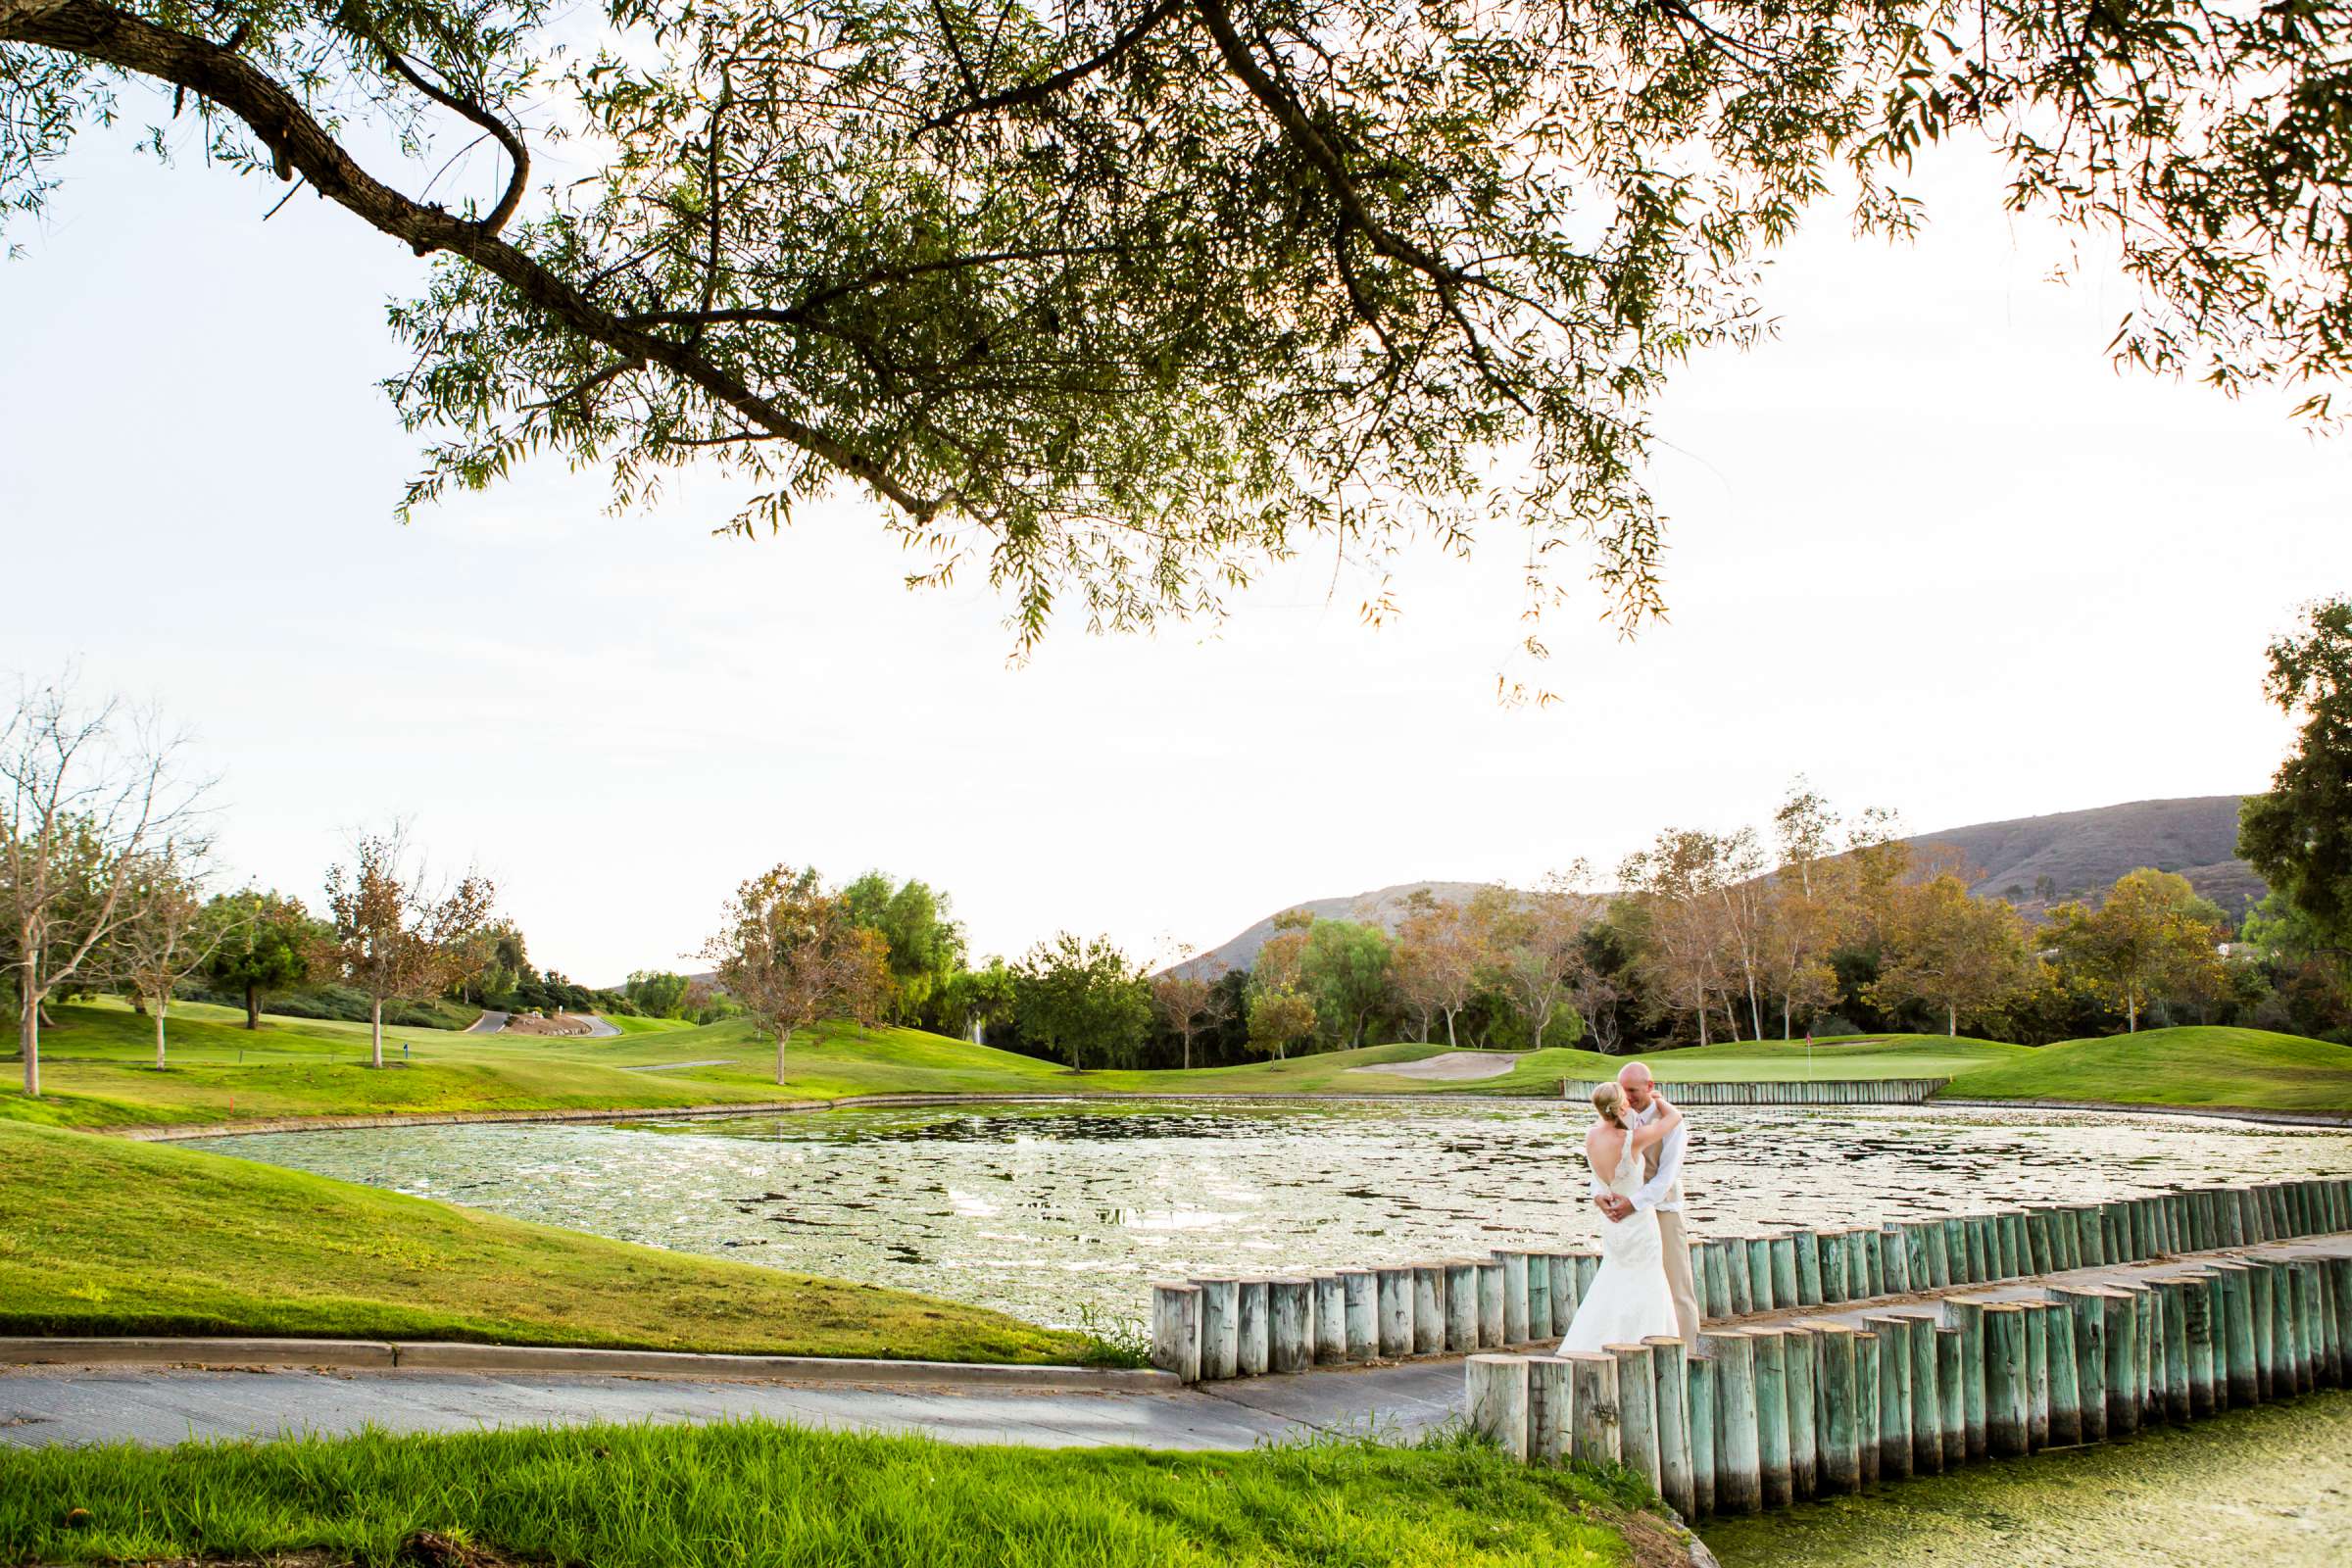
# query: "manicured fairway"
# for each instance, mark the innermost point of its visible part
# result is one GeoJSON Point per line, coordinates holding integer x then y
{"type": "Point", "coordinates": [104, 1235]}
{"type": "Point", "coordinates": [2190, 1067]}
{"type": "Point", "coordinates": [752, 1493]}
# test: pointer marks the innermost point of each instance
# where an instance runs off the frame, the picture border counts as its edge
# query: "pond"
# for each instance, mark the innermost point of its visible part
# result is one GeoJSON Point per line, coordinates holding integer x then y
{"type": "Point", "coordinates": [1063, 1213]}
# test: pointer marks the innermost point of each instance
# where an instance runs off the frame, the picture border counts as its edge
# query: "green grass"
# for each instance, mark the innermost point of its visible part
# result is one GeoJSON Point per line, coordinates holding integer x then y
{"type": "Point", "coordinates": [105, 1235]}
{"type": "Point", "coordinates": [642, 1026]}
{"type": "Point", "coordinates": [779, 1497]}
{"type": "Point", "coordinates": [2243, 1068]}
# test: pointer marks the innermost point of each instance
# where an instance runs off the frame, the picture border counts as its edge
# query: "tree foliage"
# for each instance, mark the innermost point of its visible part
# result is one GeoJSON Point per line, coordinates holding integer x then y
{"type": "Point", "coordinates": [790, 953]}
{"type": "Point", "coordinates": [1966, 957]}
{"type": "Point", "coordinates": [2150, 939]}
{"type": "Point", "coordinates": [273, 946]}
{"type": "Point", "coordinates": [2300, 835]}
{"type": "Point", "coordinates": [1083, 998]}
{"type": "Point", "coordinates": [1118, 301]}
{"type": "Point", "coordinates": [398, 932]}
{"type": "Point", "coordinates": [925, 942]}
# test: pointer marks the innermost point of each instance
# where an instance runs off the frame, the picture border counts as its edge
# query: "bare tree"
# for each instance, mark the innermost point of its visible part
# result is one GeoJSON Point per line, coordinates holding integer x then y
{"type": "Point", "coordinates": [85, 796]}
{"type": "Point", "coordinates": [1188, 1002]}
{"type": "Point", "coordinates": [791, 954]}
{"type": "Point", "coordinates": [173, 931]}
{"type": "Point", "coordinates": [1740, 884]}
{"type": "Point", "coordinates": [1541, 941]}
{"type": "Point", "coordinates": [398, 933]}
{"type": "Point", "coordinates": [1438, 957]}
{"type": "Point", "coordinates": [1677, 886]}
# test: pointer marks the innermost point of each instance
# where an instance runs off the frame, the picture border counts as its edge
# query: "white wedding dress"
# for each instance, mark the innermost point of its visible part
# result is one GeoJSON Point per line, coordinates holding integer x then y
{"type": "Point", "coordinates": [1628, 1301]}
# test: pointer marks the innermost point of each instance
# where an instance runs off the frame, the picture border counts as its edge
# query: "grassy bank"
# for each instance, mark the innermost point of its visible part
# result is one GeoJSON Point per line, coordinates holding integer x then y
{"type": "Point", "coordinates": [101, 1236]}
{"type": "Point", "coordinates": [720, 1497]}
{"type": "Point", "coordinates": [2247, 1068]}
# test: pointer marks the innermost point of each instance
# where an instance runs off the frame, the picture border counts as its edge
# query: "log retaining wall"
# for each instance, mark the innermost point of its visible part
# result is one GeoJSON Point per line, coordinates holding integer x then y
{"type": "Point", "coordinates": [1815, 1092]}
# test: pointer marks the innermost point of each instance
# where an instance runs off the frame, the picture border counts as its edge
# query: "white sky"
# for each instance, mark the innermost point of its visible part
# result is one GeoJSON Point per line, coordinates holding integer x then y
{"type": "Point", "coordinates": [1927, 547]}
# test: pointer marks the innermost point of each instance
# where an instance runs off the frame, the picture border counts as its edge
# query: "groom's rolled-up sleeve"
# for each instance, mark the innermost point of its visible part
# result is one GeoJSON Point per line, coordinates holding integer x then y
{"type": "Point", "coordinates": [1651, 1193]}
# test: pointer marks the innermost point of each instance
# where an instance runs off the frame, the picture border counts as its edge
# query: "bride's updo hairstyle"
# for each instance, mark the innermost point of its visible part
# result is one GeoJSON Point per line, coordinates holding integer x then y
{"type": "Point", "coordinates": [1610, 1100]}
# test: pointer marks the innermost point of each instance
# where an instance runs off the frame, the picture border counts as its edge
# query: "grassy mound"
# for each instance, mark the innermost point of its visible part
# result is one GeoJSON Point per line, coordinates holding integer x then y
{"type": "Point", "coordinates": [102, 1236]}
{"type": "Point", "coordinates": [2246, 1068]}
{"type": "Point", "coordinates": [779, 1496]}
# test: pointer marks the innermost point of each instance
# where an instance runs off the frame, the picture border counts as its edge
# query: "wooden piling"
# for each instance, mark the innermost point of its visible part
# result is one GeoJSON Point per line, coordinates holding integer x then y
{"type": "Point", "coordinates": [1757, 1253]}
{"type": "Point", "coordinates": [1955, 1243]}
{"type": "Point", "coordinates": [2266, 1332]}
{"type": "Point", "coordinates": [2197, 1326]}
{"type": "Point", "coordinates": [1256, 1329]}
{"type": "Point", "coordinates": [1786, 1289]}
{"type": "Point", "coordinates": [1428, 1308]}
{"type": "Point", "coordinates": [1939, 1256]}
{"type": "Point", "coordinates": [1460, 1275]}
{"type": "Point", "coordinates": [2037, 1375]}
{"type": "Point", "coordinates": [1896, 1259]}
{"type": "Point", "coordinates": [1699, 1375]}
{"type": "Point", "coordinates": [1900, 1440]}
{"type": "Point", "coordinates": [1360, 1307]}
{"type": "Point", "coordinates": [1290, 1319]}
{"type": "Point", "coordinates": [1670, 1405]}
{"type": "Point", "coordinates": [1860, 1284]}
{"type": "Point", "coordinates": [1493, 1311]}
{"type": "Point", "coordinates": [1967, 1316]}
{"type": "Point", "coordinates": [1915, 1256]}
{"type": "Point", "coordinates": [1769, 1350]}
{"type": "Point", "coordinates": [1839, 1466]}
{"type": "Point", "coordinates": [1738, 1473]}
{"type": "Point", "coordinates": [1176, 1329]}
{"type": "Point", "coordinates": [2236, 1353]}
{"type": "Point", "coordinates": [2123, 1364]}
{"type": "Point", "coordinates": [2008, 1381]}
{"type": "Point", "coordinates": [1516, 1314]}
{"type": "Point", "coordinates": [1638, 1411]}
{"type": "Point", "coordinates": [2091, 1253]}
{"type": "Point", "coordinates": [2179, 1399]}
{"type": "Point", "coordinates": [2037, 1241]}
{"type": "Point", "coordinates": [1869, 1359]}
{"type": "Point", "coordinates": [1805, 1252]}
{"type": "Point", "coordinates": [2090, 1306]}
{"type": "Point", "coordinates": [1715, 1281]}
{"type": "Point", "coordinates": [1220, 1329]}
{"type": "Point", "coordinates": [1978, 1238]}
{"type": "Point", "coordinates": [1950, 1387]}
{"type": "Point", "coordinates": [1734, 1269]}
{"type": "Point", "coordinates": [2065, 1372]}
{"type": "Point", "coordinates": [1331, 1320]}
{"type": "Point", "coordinates": [1830, 1249]}
{"type": "Point", "coordinates": [2291, 1379]}
{"type": "Point", "coordinates": [1547, 1407]}
{"type": "Point", "coordinates": [1539, 1296]}
{"type": "Point", "coordinates": [1393, 1290]}
{"type": "Point", "coordinates": [1496, 1387]}
{"type": "Point", "coordinates": [1562, 1270]}
{"type": "Point", "coordinates": [1593, 1406]}
{"type": "Point", "coordinates": [2148, 1308]}
{"type": "Point", "coordinates": [1801, 1351]}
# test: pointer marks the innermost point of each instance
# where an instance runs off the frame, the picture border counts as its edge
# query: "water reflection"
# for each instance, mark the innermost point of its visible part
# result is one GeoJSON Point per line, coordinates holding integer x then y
{"type": "Point", "coordinates": [1048, 1211]}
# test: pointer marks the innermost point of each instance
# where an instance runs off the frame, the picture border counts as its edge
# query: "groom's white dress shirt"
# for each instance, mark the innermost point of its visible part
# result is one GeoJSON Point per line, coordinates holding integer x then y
{"type": "Point", "coordinates": [1664, 1189]}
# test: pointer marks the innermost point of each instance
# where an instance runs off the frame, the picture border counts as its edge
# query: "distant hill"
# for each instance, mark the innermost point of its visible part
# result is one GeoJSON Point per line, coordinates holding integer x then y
{"type": "Point", "coordinates": [2079, 853]}
{"type": "Point", "coordinates": [2035, 862]}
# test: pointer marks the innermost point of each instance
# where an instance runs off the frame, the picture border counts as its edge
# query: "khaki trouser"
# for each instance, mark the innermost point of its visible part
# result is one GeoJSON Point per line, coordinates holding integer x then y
{"type": "Point", "coordinates": [1677, 1274]}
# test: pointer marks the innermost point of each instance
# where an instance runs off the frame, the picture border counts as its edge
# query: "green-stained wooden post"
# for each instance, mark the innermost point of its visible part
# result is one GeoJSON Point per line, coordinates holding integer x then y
{"type": "Point", "coordinates": [1176, 1329]}
{"type": "Point", "coordinates": [1869, 1357]}
{"type": "Point", "coordinates": [1719, 1280]}
{"type": "Point", "coordinates": [1461, 1304]}
{"type": "Point", "coordinates": [2197, 1328]}
{"type": "Point", "coordinates": [1938, 1250]}
{"type": "Point", "coordinates": [2266, 1332]}
{"type": "Point", "coordinates": [2087, 1228]}
{"type": "Point", "coordinates": [1393, 1298]}
{"type": "Point", "coordinates": [1562, 1269]}
{"type": "Point", "coordinates": [1638, 1411]}
{"type": "Point", "coordinates": [1915, 1256]}
{"type": "Point", "coordinates": [1807, 1250]}
{"type": "Point", "coordinates": [1859, 1245]}
{"type": "Point", "coordinates": [1548, 1410]}
{"type": "Point", "coordinates": [2037, 1375]}
{"type": "Point", "coordinates": [1950, 1383]}
{"type": "Point", "coordinates": [1964, 1259]}
{"type": "Point", "coordinates": [2020, 1244]}
{"type": "Point", "coordinates": [1428, 1308]}
{"type": "Point", "coordinates": [1494, 1304]}
{"type": "Point", "coordinates": [1496, 1391]}
{"type": "Point", "coordinates": [1256, 1326]}
{"type": "Point", "coordinates": [1801, 1353]}
{"type": "Point", "coordinates": [2140, 1214]}
{"type": "Point", "coordinates": [1704, 1459]}
{"type": "Point", "coordinates": [1593, 1406]}
{"type": "Point", "coordinates": [2289, 1377]}
{"type": "Point", "coordinates": [2090, 1306]}
{"type": "Point", "coordinates": [1738, 1472]}
{"type": "Point", "coordinates": [1769, 1349]}
{"type": "Point", "coordinates": [1901, 1445]}
{"type": "Point", "coordinates": [2008, 1381]}
{"type": "Point", "coordinates": [1669, 1405]}
{"type": "Point", "coordinates": [1968, 1318]}
{"type": "Point", "coordinates": [1220, 1329]}
{"type": "Point", "coordinates": [1836, 1437]}
{"type": "Point", "coordinates": [2180, 1397]}
{"type": "Point", "coordinates": [1786, 1289]}
{"type": "Point", "coordinates": [2340, 1309]}
{"type": "Point", "coordinates": [2065, 1370]}
{"type": "Point", "coordinates": [1734, 1269]}
{"type": "Point", "coordinates": [1756, 1251]}
{"type": "Point", "coordinates": [2237, 1359]}
{"type": "Point", "coordinates": [1831, 1245]}
{"type": "Point", "coordinates": [1896, 1259]}
{"type": "Point", "coordinates": [1915, 1338]}
{"type": "Point", "coordinates": [1982, 1261]}
{"type": "Point", "coordinates": [2123, 1365]}
{"type": "Point", "coordinates": [2148, 1309]}
{"type": "Point", "coordinates": [2331, 1324]}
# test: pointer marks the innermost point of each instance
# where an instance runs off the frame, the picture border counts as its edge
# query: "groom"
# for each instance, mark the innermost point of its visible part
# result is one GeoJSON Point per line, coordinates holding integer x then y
{"type": "Point", "coordinates": [1663, 1191]}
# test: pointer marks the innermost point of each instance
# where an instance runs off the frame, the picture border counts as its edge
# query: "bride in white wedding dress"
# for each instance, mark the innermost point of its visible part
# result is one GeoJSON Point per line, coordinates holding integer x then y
{"type": "Point", "coordinates": [1628, 1301]}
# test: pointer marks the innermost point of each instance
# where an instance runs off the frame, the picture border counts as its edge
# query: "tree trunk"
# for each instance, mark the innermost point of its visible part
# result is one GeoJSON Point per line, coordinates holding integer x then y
{"type": "Point", "coordinates": [160, 1003]}
{"type": "Point", "coordinates": [1449, 1045]}
{"type": "Point", "coordinates": [1755, 1008]}
{"type": "Point", "coordinates": [29, 1036]}
{"type": "Point", "coordinates": [252, 1007]}
{"type": "Point", "coordinates": [783, 1034]}
{"type": "Point", "coordinates": [1187, 1051]}
{"type": "Point", "coordinates": [2130, 1013]}
{"type": "Point", "coordinates": [1951, 1021]}
{"type": "Point", "coordinates": [375, 1031]}
{"type": "Point", "coordinates": [1786, 1036]}
{"type": "Point", "coordinates": [1703, 1016]}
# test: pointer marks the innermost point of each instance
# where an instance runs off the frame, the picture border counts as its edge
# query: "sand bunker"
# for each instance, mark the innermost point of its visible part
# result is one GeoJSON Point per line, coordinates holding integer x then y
{"type": "Point", "coordinates": [1454, 1066]}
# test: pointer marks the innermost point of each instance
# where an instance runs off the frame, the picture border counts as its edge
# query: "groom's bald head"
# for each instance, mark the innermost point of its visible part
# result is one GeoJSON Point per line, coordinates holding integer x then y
{"type": "Point", "coordinates": [1633, 1079]}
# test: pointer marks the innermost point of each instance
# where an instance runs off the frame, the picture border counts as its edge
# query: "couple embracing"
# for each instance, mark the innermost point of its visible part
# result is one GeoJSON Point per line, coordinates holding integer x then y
{"type": "Point", "coordinates": [1643, 1286]}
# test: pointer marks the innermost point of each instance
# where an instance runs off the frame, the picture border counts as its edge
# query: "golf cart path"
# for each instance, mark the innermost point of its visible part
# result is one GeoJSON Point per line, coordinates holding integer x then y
{"type": "Point", "coordinates": [44, 1405]}
{"type": "Point", "coordinates": [489, 1023]}
{"type": "Point", "coordinates": [1453, 1066]}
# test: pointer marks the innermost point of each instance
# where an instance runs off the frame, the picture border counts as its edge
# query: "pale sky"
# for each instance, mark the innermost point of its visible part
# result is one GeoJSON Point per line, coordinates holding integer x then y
{"type": "Point", "coordinates": [1926, 549]}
